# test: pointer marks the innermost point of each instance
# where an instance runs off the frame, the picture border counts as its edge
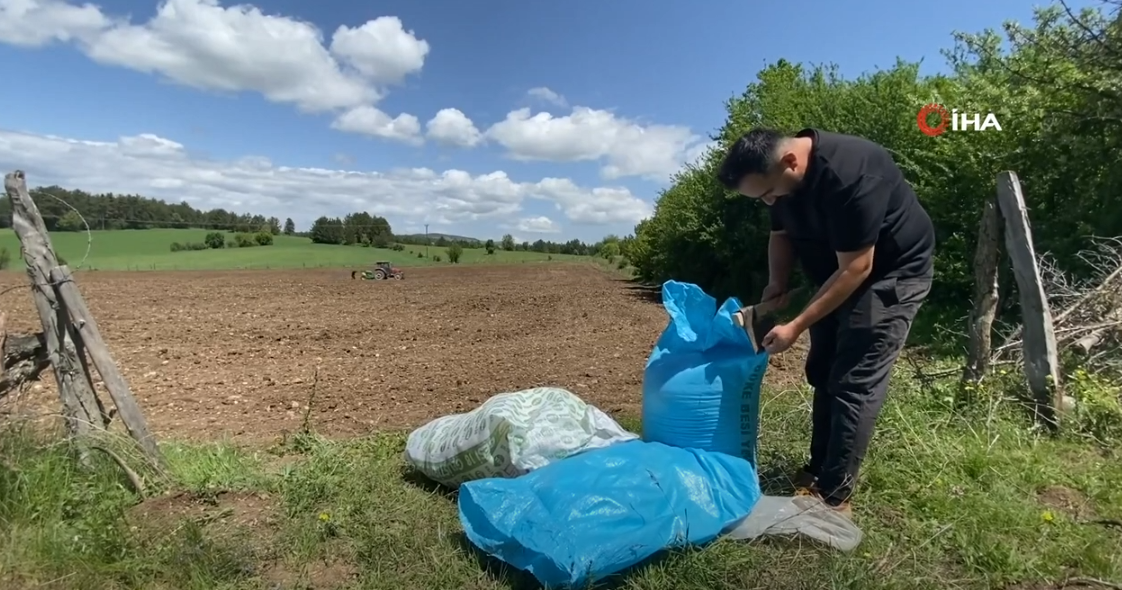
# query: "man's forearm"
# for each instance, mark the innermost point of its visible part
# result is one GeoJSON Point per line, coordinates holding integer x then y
{"type": "Point", "coordinates": [833, 293]}
{"type": "Point", "coordinates": [780, 258]}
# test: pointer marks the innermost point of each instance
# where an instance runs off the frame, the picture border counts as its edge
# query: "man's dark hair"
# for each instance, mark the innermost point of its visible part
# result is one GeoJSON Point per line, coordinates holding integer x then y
{"type": "Point", "coordinates": [754, 153]}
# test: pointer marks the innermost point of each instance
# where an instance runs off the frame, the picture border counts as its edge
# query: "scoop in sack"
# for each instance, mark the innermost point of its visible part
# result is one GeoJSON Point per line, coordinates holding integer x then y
{"type": "Point", "coordinates": [757, 320]}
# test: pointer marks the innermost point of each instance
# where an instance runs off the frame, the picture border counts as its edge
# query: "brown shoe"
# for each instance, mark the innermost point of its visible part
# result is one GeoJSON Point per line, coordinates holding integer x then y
{"type": "Point", "coordinates": [804, 483]}
{"type": "Point", "coordinates": [844, 508]}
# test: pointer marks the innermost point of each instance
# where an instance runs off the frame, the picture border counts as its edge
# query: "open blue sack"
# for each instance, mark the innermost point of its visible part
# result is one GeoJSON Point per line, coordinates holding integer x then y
{"type": "Point", "coordinates": [701, 387]}
{"type": "Point", "coordinates": [591, 515]}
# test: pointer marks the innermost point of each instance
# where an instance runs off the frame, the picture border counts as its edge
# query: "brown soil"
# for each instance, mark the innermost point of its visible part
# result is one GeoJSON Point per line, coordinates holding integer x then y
{"type": "Point", "coordinates": [1066, 501]}
{"type": "Point", "coordinates": [235, 510]}
{"type": "Point", "coordinates": [233, 354]}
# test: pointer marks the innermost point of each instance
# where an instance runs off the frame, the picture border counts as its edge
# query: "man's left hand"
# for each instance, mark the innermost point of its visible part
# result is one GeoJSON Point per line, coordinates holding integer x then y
{"type": "Point", "coordinates": [781, 337]}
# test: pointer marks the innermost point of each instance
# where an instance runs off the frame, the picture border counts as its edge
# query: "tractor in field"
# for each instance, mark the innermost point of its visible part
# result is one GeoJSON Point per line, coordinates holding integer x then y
{"type": "Point", "coordinates": [380, 272]}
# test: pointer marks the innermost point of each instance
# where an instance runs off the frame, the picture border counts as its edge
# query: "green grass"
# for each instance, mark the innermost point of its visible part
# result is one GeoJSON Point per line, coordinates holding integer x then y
{"type": "Point", "coordinates": [948, 501]}
{"type": "Point", "coordinates": [150, 250]}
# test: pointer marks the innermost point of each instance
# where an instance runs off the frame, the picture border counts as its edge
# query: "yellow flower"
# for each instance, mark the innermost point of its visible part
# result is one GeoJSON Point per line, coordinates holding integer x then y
{"type": "Point", "coordinates": [1047, 516]}
{"type": "Point", "coordinates": [323, 516]}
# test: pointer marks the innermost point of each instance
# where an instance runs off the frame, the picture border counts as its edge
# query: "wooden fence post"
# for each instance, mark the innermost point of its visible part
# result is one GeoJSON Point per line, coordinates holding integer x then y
{"type": "Point", "coordinates": [71, 331]}
{"type": "Point", "coordinates": [79, 404]}
{"type": "Point", "coordinates": [1041, 358]}
{"type": "Point", "coordinates": [987, 255]}
{"type": "Point", "coordinates": [87, 336]}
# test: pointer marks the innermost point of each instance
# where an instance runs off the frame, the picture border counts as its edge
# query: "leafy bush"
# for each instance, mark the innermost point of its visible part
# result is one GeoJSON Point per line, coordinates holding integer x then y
{"type": "Point", "coordinates": [454, 252]}
{"type": "Point", "coordinates": [490, 246]}
{"type": "Point", "coordinates": [178, 247]}
{"type": "Point", "coordinates": [397, 247]}
{"type": "Point", "coordinates": [420, 254]}
{"type": "Point", "coordinates": [264, 238]}
{"type": "Point", "coordinates": [1098, 409]}
{"type": "Point", "coordinates": [436, 258]}
{"type": "Point", "coordinates": [244, 241]}
{"type": "Point", "coordinates": [215, 240]}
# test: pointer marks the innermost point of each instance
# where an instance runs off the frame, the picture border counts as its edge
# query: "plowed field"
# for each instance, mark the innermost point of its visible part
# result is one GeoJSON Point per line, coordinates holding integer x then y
{"type": "Point", "coordinates": [236, 354]}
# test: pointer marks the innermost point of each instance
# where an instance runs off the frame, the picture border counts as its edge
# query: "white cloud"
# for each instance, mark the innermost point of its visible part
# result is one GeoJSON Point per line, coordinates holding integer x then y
{"type": "Point", "coordinates": [601, 205]}
{"type": "Point", "coordinates": [626, 147]}
{"type": "Point", "coordinates": [453, 127]}
{"type": "Point", "coordinates": [546, 95]}
{"type": "Point", "coordinates": [381, 50]}
{"type": "Point", "coordinates": [537, 225]}
{"type": "Point", "coordinates": [201, 44]}
{"type": "Point", "coordinates": [696, 152]}
{"type": "Point", "coordinates": [368, 120]}
{"type": "Point", "coordinates": [34, 23]}
{"type": "Point", "coordinates": [159, 167]}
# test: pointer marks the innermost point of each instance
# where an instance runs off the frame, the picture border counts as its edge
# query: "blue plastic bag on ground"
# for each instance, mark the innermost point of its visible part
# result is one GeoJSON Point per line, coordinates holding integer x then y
{"type": "Point", "coordinates": [701, 387]}
{"type": "Point", "coordinates": [591, 515]}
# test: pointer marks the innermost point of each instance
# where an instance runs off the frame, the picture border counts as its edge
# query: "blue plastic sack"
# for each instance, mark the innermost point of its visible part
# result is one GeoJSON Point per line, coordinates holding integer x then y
{"type": "Point", "coordinates": [701, 387]}
{"type": "Point", "coordinates": [591, 515]}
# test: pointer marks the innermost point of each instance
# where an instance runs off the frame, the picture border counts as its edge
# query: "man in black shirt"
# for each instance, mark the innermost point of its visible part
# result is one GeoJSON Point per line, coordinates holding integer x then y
{"type": "Point", "coordinates": [842, 208]}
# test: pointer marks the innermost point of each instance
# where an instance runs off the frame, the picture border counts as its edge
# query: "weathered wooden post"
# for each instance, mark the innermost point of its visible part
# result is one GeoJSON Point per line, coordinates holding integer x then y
{"type": "Point", "coordinates": [1041, 358]}
{"type": "Point", "coordinates": [71, 331]}
{"type": "Point", "coordinates": [987, 255]}
{"type": "Point", "coordinates": [79, 405]}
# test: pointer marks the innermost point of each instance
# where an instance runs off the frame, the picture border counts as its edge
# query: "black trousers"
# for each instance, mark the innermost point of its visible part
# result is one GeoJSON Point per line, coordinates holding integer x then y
{"type": "Point", "coordinates": [852, 352]}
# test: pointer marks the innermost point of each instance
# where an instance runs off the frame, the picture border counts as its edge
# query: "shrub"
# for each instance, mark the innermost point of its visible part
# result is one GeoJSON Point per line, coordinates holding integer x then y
{"type": "Point", "coordinates": [436, 258]}
{"type": "Point", "coordinates": [244, 241]}
{"type": "Point", "coordinates": [177, 247]}
{"type": "Point", "coordinates": [1098, 410]}
{"type": "Point", "coordinates": [490, 246]}
{"type": "Point", "coordinates": [622, 264]}
{"type": "Point", "coordinates": [454, 252]}
{"type": "Point", "coordinates": [5, 258]}
{"type": "Point", "coordinates": [420, 254]}
{"type": "Point", "coordinates": [397, 247]}
{"type": "Point", "coordinates": [215, 240]}
{"type": "Point", "coordinates": [264, 238]}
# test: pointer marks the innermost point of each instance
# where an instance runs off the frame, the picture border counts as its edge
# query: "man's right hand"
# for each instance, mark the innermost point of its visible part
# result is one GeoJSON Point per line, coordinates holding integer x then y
{"type": "Point", "coordinates": [775, 297]}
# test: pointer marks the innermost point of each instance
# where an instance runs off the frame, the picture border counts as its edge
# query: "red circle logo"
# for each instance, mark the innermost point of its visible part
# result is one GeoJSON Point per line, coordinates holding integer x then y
{"type": "Point", "coordinates": [922, 119]}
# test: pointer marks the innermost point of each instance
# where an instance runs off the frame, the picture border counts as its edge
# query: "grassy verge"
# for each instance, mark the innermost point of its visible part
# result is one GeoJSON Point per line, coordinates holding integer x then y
{"type": "Point", "coordinates": [948, 501]}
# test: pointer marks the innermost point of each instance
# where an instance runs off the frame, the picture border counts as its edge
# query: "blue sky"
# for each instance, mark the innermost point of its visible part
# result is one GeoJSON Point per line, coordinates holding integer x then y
{"type": "Point", "coordinates": [274, 109]}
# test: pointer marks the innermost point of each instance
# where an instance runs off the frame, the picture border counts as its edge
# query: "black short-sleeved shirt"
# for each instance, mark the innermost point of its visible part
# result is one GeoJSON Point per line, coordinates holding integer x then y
{"type": "Point", "coordinates": [852, 196]}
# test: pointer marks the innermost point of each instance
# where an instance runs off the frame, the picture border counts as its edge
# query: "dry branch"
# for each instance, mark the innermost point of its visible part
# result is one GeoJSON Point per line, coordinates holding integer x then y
{"type": "Point", "coordinates": [1091, 321]}
{"type": "Point", "coordinates": [25, 358]}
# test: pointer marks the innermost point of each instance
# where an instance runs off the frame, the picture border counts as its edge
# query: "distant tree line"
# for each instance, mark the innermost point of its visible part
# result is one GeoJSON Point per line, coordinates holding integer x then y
{"type": "Point", "coordinates": [72, 209]}
{"type": "Point", "coordinates": [67, 209]}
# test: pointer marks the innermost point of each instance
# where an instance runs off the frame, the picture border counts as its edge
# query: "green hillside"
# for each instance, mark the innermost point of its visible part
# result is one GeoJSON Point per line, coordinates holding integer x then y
{"type": "Point", "coordinates": [150, 249]}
